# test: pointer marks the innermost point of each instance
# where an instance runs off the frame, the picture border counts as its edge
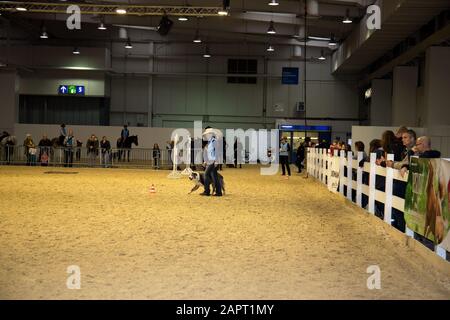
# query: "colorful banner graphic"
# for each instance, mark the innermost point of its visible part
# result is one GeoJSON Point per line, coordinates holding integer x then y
{"type": "Point", "coordinates": [427, 200]}
{"type": "Point", "coordinates": [333, 179]}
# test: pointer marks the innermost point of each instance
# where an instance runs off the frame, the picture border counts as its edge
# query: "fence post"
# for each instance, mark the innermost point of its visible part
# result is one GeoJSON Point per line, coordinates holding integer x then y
{"type": "Point", "coordinates": [323, 164]}
{"type": "Point", "coordinates": [319, 168]}
{"type": "Point", "coordinates": [372, 177]}
{"type": "Point", "coordinates": [388, 192]}
{"type": "Point", "coordinates": [359, 173]}
{"type": "Point", "coordinates": [320, 165]}
{"type": "Point", "coordinates": [440, 252]}
{"type": "Point", "coordinates": [314, 159]}
{"type": "Point", "coordinates": [316, 163]}
{"type": "Point", "coordinates": [309, 164]}
{"type": "Point", "coordinates": [328, 167]}
{"type": "Point", "coordinates": [349, 175]}
{"type": "Point", "coordinates": [341, 172]}
{"type": "Point", "coordinates": [409, 232]}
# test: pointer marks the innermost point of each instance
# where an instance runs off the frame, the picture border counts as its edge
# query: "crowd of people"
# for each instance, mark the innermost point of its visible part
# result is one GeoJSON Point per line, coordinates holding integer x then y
{"type": "Point", "coordinates": [403, 145]}
{"type": "Point", "coordinates": [71, 147]}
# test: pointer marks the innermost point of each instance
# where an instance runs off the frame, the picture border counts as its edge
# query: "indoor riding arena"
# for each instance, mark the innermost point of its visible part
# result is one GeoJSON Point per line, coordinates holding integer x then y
{"type": "Point", "coordinates": [225, 150]}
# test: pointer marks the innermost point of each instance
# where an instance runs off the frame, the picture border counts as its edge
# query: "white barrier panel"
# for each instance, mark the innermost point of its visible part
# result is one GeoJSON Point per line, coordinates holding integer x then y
{"type": "Point", "coordinates": [324, 166]}
{"type": "Point", "coordinates": [317, 164]}
{"type": "Point", "coordinates": [341, 172]}
{"type": "Point", "coordinates": [372, 176]}
{"type": "Point", "coordinates": [349, 175]}
{"type": "Point", "coordinates": [329, 169]}
{"type": "Point", "coordinates": [388, 192]}
{"type": "Point", "coordinates": [359, 181]}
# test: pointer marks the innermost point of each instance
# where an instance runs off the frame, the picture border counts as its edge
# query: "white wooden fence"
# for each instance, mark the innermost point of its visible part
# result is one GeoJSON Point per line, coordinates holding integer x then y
{"type": "Point", "coordinates": [319, 167]}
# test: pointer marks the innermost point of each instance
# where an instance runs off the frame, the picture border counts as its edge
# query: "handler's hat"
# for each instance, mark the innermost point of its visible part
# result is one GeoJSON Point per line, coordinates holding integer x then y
{"type": "Point", "coordinates": [212, 131]}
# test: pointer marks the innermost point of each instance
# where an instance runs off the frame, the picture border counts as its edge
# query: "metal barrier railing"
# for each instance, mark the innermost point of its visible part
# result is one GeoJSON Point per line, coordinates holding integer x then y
{"type": "Point", "coordinates": [115, 157]}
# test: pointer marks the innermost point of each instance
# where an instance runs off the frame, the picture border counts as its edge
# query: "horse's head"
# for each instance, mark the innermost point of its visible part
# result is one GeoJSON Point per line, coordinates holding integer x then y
{"type": "Point", "coordinates": [9, 140]}
{"type": "Point", "coordinates": [134, 139]}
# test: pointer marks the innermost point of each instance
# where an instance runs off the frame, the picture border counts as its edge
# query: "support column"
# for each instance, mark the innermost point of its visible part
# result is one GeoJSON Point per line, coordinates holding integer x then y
{"type": "Point", "coordinates": [151, 50]}
{"type": "Point", "coordinates": [404, 96]}
{"type": "Point", "coordinates": [381, 104]}
{"type": "Point", "coordinates": [9, 106]}
{"type": "Point", "coordinates": [437, 92]}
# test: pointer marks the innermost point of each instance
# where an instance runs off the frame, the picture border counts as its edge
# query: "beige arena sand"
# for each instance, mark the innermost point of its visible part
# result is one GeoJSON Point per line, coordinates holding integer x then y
{"type": "Point", "coordinates": [268, 238]}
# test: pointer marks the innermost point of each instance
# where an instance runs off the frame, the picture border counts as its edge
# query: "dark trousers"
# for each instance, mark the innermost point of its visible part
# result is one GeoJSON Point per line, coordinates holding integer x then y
{"type": "Point", "coordinates": [284, 160]}
{"type": "Point", "coordinates": [68, 158]}
{"type": "Point", "coordinates": [212, 177]}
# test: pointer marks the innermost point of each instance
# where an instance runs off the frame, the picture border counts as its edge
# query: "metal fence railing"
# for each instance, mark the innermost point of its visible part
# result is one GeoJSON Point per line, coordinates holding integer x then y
{"type": "Point", "coordinates": [115, 157]}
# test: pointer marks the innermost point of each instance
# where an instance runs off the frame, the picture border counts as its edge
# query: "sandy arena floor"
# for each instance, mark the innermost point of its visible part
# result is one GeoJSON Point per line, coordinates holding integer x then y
{"type": "Point", "coordinates": [268, 238]}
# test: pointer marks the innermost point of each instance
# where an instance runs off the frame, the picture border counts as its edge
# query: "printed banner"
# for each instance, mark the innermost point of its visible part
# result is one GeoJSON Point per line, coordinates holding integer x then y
{"type": "Point", "coordinates": [333, 179]}
{"type": "Point", "coordinates": [427, 200]}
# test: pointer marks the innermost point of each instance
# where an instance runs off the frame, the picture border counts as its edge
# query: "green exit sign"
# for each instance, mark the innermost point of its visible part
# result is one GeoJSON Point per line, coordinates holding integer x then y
{"type": "Point", "coordinates": [72, 90]}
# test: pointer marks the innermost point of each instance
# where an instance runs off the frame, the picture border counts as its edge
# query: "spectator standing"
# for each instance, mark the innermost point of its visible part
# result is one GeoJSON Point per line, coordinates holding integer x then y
{"type": "Point", "coordinates": [360, 147]}
{"type": "Point", "coordinates": [44, 148]}
{"type": "Point", "coordinates": [62, 134]}
{"type": "Point", "coordinates": [409, 141]}
{"type": "Point", "coordinates": [29, 145]}
{"type": "Point", "coordinates": [169, 147]}
{"type": "Point", "coordinates": [69, 145]}
{"type": "Point", "coordinates": [156, 156]}
{"type": "Point", "coordinates": [390, 145]}
{"type": "Point", "coordinates": [78, 152]}
{"type": "Point", "coordinates": [285, 148]}
{"type": "Point", "coordinates": [92, 150]}
{"type": "Point", "coordinates": [423, 148]}
{"type": "Point", "coordinates": [105, 147]}
{"type": "Point", "coordinates": [300, 156]}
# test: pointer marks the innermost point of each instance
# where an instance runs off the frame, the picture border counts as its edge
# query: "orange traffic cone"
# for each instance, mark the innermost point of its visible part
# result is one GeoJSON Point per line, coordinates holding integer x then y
{"type": "Point", "coordinates": [152, 189]}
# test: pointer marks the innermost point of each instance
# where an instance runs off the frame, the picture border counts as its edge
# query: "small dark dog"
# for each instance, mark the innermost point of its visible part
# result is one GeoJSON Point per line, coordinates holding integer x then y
{"type": "Point", "coordinates": [199, 180]}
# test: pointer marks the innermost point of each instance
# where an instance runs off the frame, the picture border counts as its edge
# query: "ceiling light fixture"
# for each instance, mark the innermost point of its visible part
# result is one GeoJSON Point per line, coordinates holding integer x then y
{"type": "Point", "coordinates": [270, 48]}
{"type": "Point", "coordinates": [318, 38]}
{"type": "Point", "coordinates": [347, 19]}
{"type": "Point", "coordinates": [121, 11]}
{"type": "Point", "coordinates": [333, 42]}
{"type": "Point", "coordinates": [76, 51]}
{"type": "Point", "coordinates": [271, 29]}
{"type": "Point", "coordinates": [322, 56]}
{"type": "Point", "coordinates": [197, 38]}
{"type": "Point", "coordinates": [207, 54]}
{"type": "Point", "coordinates": [273, 3]}
{"type": "Point", "coordinates": [128, 45]}
{"type": "Point", "coordinates": [21, 9]}
{"type": "Point", "coordinates": [44, 34]}
{"type": "Point", "coordinates": [101, 26]}
{"type": "Point", "coordinates": [224, 10]}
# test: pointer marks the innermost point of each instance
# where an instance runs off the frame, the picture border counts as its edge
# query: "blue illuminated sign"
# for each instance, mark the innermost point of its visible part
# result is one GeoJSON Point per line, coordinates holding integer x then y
{"type": "Point", "coordinates": [304, 128]}
{"type": "Point", "coordinates": [72, 90]}
{"type": "Point", "coordinates": [289, 76]}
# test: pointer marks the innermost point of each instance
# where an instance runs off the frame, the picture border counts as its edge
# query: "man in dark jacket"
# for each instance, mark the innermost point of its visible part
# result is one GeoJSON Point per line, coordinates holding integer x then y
{"type": "Point", "coordinates": [92, 149]}
{"type": "Point", "coordinates": [423, 148]}
{"type": "Point", "coordinates": [105, 147]}
{"type": "Point", "coordinates": [44, 146]}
